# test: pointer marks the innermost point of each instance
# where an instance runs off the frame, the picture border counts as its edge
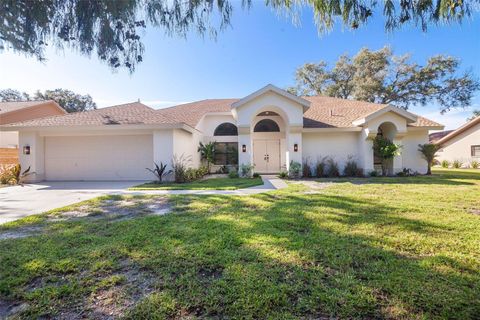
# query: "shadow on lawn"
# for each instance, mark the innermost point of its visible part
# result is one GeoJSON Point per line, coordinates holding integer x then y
{"type": "Point", "coordinates": [273, 255]}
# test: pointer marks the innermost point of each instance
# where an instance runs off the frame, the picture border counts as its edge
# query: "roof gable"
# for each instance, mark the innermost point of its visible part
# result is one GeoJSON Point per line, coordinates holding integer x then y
{"type": "Point", "coordinates": [410, 117]}
{"type": "Point", "coordinates": [460, 130]}
{"type": "Point", "coordinates": [14, 106]}
{"type": "Point", "coordinates": [276, 90]}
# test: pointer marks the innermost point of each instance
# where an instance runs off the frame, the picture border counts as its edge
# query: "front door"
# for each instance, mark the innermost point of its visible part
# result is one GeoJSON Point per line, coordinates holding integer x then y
{"type": "Point", "coordinates": [266, 156]}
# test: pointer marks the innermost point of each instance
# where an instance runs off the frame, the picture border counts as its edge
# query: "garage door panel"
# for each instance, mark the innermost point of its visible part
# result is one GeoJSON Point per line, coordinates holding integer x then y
{"type": "Point", "coordinates": [99, 157]}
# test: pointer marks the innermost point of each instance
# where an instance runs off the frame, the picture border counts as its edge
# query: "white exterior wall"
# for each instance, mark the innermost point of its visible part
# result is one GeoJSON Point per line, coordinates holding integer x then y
{"type": "Point", "coordinates": [8, 139]}
{"type": "Point", "coordinates": [186, 144]}
{"type": "Point", "coordinates": [411, 157]}
{"type": "Point", "coordinates": [36, 159]}
{"type": "Point", "coordinates": [337, 145]}
{"type": "Point", "coordinates": [459, 147]}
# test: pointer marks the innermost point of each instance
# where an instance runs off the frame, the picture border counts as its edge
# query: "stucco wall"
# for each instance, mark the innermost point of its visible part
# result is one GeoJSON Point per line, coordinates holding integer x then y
{"type": "Point", "coordinates": [459, 147]}
{"type": "Point", "coordinates": [339, 146]}
{"type": "Point", "coordinates": [186, 144]}
{"type": "Point", "coordinates": [411, 157]}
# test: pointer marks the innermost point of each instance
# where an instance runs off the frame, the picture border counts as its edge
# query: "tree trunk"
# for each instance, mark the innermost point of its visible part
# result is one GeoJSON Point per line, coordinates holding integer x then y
{"type": "Point", "coordinates": [429, 169]}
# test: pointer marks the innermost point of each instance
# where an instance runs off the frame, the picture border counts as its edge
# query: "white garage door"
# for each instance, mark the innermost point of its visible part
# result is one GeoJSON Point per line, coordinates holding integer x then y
{"type": "Point", "coordinates": [99, 157]}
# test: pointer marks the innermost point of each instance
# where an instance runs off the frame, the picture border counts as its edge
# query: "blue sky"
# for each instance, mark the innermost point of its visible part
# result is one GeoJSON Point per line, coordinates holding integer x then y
{"type": "Point", "coordinates": [261, 47]}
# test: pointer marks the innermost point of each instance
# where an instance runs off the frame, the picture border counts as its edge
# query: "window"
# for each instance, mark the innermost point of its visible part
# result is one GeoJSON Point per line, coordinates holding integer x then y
{"type": "Point", "coordinates": [266, 125]}
{"type": "Point", "coordinates": [226, 129]}
{"type": "Point", "coordinates": [475, 151]}
{"type": "Point", "coordinates": [226, 153]}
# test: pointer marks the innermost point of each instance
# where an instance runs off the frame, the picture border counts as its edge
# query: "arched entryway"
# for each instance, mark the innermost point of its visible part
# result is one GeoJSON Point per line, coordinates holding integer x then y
{"type": "Point", "coordinates": [268, 135]}
{"type": "Point", "coordinates": [389, 131]}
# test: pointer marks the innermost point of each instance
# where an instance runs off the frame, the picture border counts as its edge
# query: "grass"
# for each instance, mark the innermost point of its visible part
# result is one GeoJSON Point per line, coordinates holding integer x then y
{"type": "Point", "coordinates": [401, 248]}
{"type": "Point", "coordinates": [206, 184]}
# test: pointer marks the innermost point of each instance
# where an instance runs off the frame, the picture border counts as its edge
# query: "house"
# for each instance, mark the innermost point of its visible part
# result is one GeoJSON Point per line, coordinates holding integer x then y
{"type": "Point", "coordinates": [462, 144]}
{"type": "Point", "coordinates": [268, 128]}
{"type": "Point", "coordinates": [16, 111]}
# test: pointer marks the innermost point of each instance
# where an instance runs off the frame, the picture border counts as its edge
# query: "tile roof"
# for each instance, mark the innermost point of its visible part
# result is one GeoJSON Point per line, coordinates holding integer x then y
{"type": "Point", "coordinates": [434, 137]}
{"type": "Point", "coordinates": [191, 113]}
{"type": "Point", "coordinates": [10, 106]}
{"type": "Point", "coordinates": [129, 113]}
{"type": "Point", "coordinates": [324, 112]}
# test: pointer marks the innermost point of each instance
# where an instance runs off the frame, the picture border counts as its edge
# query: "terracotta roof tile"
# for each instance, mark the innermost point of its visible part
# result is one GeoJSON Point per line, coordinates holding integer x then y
{"type": "Point", "coordinates": [129, 113]}
{"type": "Point", "coordinates": [10, 106]}
{"type": "Point", "coordinates": [191, 113]}
{"type": "Point", "coordinates": [324, 112]}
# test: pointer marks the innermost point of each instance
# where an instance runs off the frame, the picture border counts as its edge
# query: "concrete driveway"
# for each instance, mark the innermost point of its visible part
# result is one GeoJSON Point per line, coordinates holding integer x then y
{"type": "Point", "coordinates": [17, 202]}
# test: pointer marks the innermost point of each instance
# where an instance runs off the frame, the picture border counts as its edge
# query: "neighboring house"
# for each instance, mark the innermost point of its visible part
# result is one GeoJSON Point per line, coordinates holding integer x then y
{"type": "Point", "coordinates": [269, 128]}
{"type": "Point", "coordinates": [16, 111]}
{"type": "Point", "coordinates": [462, 144]}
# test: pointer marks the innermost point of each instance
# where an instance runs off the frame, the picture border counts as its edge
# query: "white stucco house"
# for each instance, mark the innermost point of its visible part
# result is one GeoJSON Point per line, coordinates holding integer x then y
{"type": "Point", "coordinates": [268, 128]}
{"type": "Point", "coordinates": [462, 144]}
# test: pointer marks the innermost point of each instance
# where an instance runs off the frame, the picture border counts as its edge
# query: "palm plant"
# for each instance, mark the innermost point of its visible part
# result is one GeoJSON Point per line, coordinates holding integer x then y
{"type": "Point", "coordinates": [428, 151]}
{"type": "Point", "coordinates": [159, 171]}
{"type": "Point", "coordinates": [207, 153]}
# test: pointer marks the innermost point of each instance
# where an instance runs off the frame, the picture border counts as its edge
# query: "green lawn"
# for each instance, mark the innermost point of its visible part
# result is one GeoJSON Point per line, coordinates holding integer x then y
{"type": "Point", "coordinates": [400, 248]}
{"type": "Point", "coordinates": [206, 184]}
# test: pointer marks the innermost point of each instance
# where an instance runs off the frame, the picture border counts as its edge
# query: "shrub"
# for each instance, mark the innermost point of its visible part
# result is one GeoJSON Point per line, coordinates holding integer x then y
{"type": "Point", "coordinates": [445, 164]}
{"type": "Point", "coordinates": [474, 164]}
{"type": "Point", "coordinates": [406, 173]}
{"type": "Point", "coordinates": [351, 169]}
{"type": "Point", "coordinates": [306, 169]}
{"type": "Point", "coordinates": [246, 170]}
{"type": "Point", "coordinates": [295, 170]}
{"type": "Point", "coordinates": [207, 152]}
{"type": "Point", "coordinates": [256, 175]}
{"type": "Point", "coordinates": [457, 164]}
{"type": "Point", "coordinates": [160, 171]}
{"type": "Point", "coordinates": [13, 174]}
{"type": "Point", "coordinates": [233, 174]}
{"type": "Point", "coordinates": [283, 175]}
{"type": "Point", "coordinates": [332, 168]}
{"type": "Point", "coordinates": [373, 173]}
{"type": "Point", "coordinates": [320, 168]}
{"type": "Point", "coordinates": [386, 150]}
{"type": "Point", "coordinates": [180, 165]}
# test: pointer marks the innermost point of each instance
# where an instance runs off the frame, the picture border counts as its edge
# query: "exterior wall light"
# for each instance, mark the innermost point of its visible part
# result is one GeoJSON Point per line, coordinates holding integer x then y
{"type": "Point", "coordinates": [244, 148]}
{"type": "Point", "coordinates": [295, 147]}
{"type": "Point", "coordinates": [26, 149]}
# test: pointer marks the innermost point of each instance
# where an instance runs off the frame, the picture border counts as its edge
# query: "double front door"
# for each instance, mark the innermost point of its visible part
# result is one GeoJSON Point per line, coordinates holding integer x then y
{"type": "Point", "coordinates": [266, 156]}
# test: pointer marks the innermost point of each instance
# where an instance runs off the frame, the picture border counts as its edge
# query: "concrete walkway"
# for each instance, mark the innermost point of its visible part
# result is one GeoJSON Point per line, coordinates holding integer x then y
{"type": "Point", "coordinates": [17, 202]}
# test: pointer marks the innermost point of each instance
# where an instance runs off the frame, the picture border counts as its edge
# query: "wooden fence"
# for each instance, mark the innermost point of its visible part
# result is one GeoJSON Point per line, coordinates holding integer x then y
{"type": "Point", "coordinates": [8, 156]}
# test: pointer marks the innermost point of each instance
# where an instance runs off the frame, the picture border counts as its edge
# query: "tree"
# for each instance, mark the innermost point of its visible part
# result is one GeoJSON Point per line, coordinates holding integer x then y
{"type": "Point", "coordinates": [207, 153]}
{"type": "Point", "coordinates": [381, 77]}
{"type": "Point", "coordinates": [386, 150]}
{"type": "Point", "coordinates": [68, 100]}
{"type": "Point", "coordinates": [428, 151]}
{"type": "Point", "coordinates": [475, 113]}
{"type": "Point", "coordinates": [13, 95]}
{"type": "Point", "coordinates": [112, 29]}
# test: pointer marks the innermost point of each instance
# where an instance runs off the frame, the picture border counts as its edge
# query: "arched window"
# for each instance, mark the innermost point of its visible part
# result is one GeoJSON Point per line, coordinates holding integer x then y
{"type": "Point", "coordinates": [266, 125]}
{"type": "Point", "coordinates": [226, 129]}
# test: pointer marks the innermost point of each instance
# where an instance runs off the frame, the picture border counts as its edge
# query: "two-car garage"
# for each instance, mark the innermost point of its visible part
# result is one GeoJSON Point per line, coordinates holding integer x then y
{"type": "Point", "coordinates": [98, 157]}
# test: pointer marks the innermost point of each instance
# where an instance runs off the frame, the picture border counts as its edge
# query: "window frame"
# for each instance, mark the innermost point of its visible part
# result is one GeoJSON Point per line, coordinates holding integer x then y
{"type": "Point", "coordinates": [226, 124]}
{"type": "Point", "coordinates": [472, 150]}
{"type": "Point", "coordinates": [226, 155]}
{"type": "Point", "coordinates": [269, 121]}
